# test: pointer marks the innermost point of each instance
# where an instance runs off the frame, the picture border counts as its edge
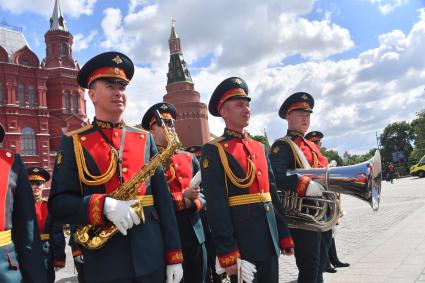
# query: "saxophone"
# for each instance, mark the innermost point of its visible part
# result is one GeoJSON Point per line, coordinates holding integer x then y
{"type": "Point", "coordinates": [95, 236]}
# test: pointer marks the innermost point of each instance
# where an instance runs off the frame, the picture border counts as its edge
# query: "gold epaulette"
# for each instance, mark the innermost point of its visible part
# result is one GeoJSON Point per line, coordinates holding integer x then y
{"type": "Point", "coordinates": [216, 140]}
{"type": "Point", "coordinates": [80, 130]}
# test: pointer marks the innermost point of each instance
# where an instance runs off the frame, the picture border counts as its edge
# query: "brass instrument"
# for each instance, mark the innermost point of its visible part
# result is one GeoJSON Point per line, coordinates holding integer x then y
{"type": "Point", "coordinates": [361, 180]}
{"type": "Point", "coordinates": [95, 236]}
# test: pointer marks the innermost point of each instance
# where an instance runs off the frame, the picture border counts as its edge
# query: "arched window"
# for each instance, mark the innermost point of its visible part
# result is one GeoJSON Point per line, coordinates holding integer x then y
{"type": "Point", "coordinates": [21, 95]}
{"type": "Point", "coordinates": [67, 102]}
{"type": "Point", "coordinates": [75, 103]}
{"type": "Point", "coordinates": [28, 142]}
{"type": "Point", "coordinates": [31, 97]}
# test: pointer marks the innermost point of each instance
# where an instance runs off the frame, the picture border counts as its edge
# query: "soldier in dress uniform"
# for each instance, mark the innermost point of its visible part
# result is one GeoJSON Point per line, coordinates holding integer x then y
{"type": "Point", "coordinates": [211, 275]}
{"type": "Point", "coordinates": [316, 138]}
{"type": "Point", "coordinates": [294, 151]}
{"type": "Point", "coordinates": [21, 257]}
{"type": "Point", "coordinates": [244, 214]}
{"type": "Point", "coordinates": [187, 198]}
{"type": "Point", "coordinates": [101, 158]}
{"type": "Point", "coordinates": [51, 234]}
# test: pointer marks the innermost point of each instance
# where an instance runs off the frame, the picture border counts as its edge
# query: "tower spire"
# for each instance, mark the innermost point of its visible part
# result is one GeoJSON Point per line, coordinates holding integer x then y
{"type": "Point", "coordinates": [173, 34]}
{"type": "Point", "coordinates": [177, 67]}
{"type": "Point", "coordinates": [57, 21]}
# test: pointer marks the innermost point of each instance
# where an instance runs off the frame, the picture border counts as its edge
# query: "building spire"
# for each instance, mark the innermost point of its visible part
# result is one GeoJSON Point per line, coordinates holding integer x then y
{"type": "Point", "coordinates": [173, 34]}
{"type": "Point", "coordinates": [57, 21]}
{"type": "Point", "coordinates": [177, 67]}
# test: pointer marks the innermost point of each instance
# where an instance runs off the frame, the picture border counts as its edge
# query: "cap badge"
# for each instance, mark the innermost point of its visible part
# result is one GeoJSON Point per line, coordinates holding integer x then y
{"type": "Point", "coordinates": [304, 97]}
{"type": "Point", "coordinates": [117, 60]}
{"type": "Point", "coordinates": [35, 170]}
{"type": "Point", "coordinates": [164, 106]}
{"type": "Point", "coordinates": [238, 81]}
{"type": "Point", "coordinates": [116, 71]}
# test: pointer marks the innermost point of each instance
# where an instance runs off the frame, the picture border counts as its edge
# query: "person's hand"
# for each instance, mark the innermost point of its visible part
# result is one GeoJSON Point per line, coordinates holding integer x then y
{"type": "Point", "coordinates": [57, 268]}
{"type": "Point", "coordinates": [174, 273]}
{"type": "Point", "coordinates": [121, 214]}
{"type": "Point", "coordinates": [247, 271]}
{"type": "Point", "coordinates": [188, 203]}
{"type": "Point", "coordinates": [232, 269]}
{"type": "Point", "coordinates": [314, 189]}
{"type": "Point", "coordinates": [79, 259]}
{"type": "Point", "coordinates": [288, 251]}
{"type": "Point", "coordinates": [218, 269]}
{"type": "Point", "coordinates": [192, 192]}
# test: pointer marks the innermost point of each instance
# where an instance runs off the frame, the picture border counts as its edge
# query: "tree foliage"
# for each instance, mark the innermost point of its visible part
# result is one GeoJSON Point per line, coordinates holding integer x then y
{"type": "Point", "coordinates": [418, 126]}
{"type": "Point", "coordinates": [398, 136]}
{"type": "Point", "coordinates": [332, 155]}
{"type": "Point", "coordinates": [260, 138]}
{"type": "Point", "coordinates": [359, 158]}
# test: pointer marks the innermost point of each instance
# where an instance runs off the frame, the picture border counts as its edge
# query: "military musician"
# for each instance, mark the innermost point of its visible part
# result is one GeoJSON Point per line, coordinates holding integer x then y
{"type": "Point", "coordinates": [246, 220]}
{"type": "Point", "coordinates": [101, 158]}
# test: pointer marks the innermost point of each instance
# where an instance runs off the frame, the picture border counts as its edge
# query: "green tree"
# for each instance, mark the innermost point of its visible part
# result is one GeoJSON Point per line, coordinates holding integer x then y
{"type": "Point", "coordinates": [332, 155]}
{"type": "Point", "coordinates": [398, 136]}
{"type": "Point", "coordinates": [418, 126]}
{"type": "Point", "coordinates": [359, 158]}
{"type": "Point", "coordinates": [260, 138]}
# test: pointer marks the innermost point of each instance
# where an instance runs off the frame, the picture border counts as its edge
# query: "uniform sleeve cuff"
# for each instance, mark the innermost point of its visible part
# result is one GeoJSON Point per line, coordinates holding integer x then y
{"type": "Point", "coordinates": [302, 185]}
{"type": "Point", "coordinates": [96, 208]}
{"type": "Point", "coordinates": [198, 204]}
{"type": "Point", "coordinates": [179, 201]}
{"type": "Point", "coordinates": [286, 243]}
{"type": "Point", "coordinates": [174, 257]}
{"type": "Point", "coordinates": [229, 258]}
{"type": "Point", "coordinates": [58, 263]}
{"type": "Point", "coordinates": [77, 252]}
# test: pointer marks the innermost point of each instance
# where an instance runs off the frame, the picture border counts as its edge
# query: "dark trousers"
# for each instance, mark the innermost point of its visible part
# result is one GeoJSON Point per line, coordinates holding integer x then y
{"type": "Point", "coordinates": [80, 271]}
{"type": "Point", "coordinates": [311, 254]}
{"type": "Point", "coordinates": [195, 263]}
{"type": "Point", "coordinates": [267, 271]}
{"type": "Point", "coordinates": [333, 256]}
{"type": "Point", "coordinates": [154, 277]}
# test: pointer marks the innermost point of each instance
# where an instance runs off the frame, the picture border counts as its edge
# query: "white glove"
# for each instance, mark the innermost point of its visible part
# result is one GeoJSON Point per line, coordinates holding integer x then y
{"type": "Point", "coordinates": [174, 273]}
{"type": "Point", "coordinates": [314, 189]}
{"type": "Point", "coordinates": [121, 213]}
{"type": "Point", "coordinates": [79, 259]}
{"type": "Point", "coordinates": [247, 271]}
{"type": "Point", "coordinates": [57, 268]}
{"type": "Point", "coordinates": [218, 269]}
{"type": "Point", "coordinates": [333, 163]}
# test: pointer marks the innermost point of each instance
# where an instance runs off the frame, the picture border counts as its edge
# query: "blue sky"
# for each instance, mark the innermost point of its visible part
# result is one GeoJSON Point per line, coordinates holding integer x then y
{"type": "Point", "coordinates": [360, 59]}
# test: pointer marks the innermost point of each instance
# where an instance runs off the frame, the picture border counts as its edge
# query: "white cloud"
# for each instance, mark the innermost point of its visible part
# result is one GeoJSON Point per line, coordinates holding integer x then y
{"type": "Point", "coordinates": [81, 42]}
{"type": "Point", "coordinates": [258, 33]}
{"type": "Point", "coordinates": [72, 8]}
{"type": "Point", "coordinates": [355, 98]}
{"type": "Point", "coordinates": [387, 6]}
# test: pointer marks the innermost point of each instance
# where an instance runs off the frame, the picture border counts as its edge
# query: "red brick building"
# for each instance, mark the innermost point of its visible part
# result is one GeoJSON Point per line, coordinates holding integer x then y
{"type": "Point", "coordinates": [39, 100]}
{"type": "Point", "coordinates": [192, 115]}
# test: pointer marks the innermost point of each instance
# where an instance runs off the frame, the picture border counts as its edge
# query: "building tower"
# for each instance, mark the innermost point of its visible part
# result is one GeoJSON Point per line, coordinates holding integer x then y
{"type": "Point", "coordinates": [39, 101]}
{"type": "Point", "coordinates": [65, 99]}
{"type": "Point", "coordinates": [192, 115]}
